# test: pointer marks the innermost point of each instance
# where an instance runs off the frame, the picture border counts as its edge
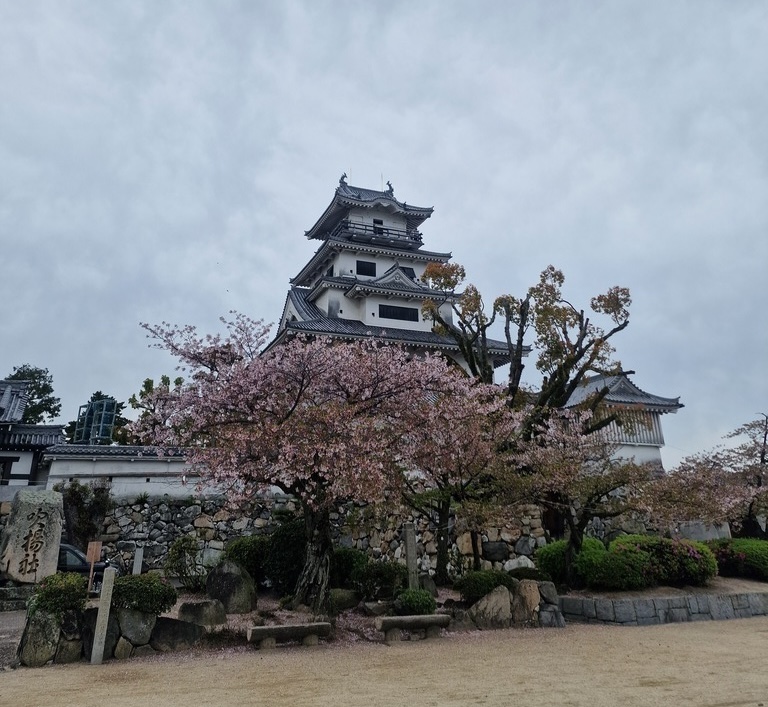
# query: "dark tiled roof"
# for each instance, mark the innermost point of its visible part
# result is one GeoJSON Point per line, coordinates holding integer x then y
{"type": "Point", "coordinates": [622, 392]}
{"type": "Point", "coordinates": [347, 196]}
{"type": "Point", "coordinates": [112, 450]}
{"type": "Point", "coordinates": [13, 400]}
{"type": "Point", "coordinates": [17, 436]}
{"type": "Point", "coordinates": [316, 323]}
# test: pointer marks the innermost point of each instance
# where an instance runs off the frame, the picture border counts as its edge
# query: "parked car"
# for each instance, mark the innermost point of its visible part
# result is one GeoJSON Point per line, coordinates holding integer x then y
{"type": "Point", "coordinates": [73, 560]}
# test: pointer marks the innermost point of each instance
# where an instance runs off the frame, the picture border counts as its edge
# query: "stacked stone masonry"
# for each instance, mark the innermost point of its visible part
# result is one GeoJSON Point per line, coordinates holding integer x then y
{"type": "Point", "coordinates": [156, 523]}
{"type": "Point", "coordinates": [648, 611]}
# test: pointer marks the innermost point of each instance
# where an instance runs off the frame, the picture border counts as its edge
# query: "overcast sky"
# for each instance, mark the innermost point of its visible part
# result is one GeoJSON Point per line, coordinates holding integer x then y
{"type": "Point", "coordinates": [160, 161]}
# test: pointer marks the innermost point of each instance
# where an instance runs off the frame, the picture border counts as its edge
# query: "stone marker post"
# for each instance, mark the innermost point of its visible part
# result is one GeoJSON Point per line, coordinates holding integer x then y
{"type": "Point", "coordinates": [102, 618]}
{"type": "Point", "coordinates": [30, 549]}
{"type": "Point", "coordinates": [410, 555]}
{"type": "Point", "coordinates": [138, 558]}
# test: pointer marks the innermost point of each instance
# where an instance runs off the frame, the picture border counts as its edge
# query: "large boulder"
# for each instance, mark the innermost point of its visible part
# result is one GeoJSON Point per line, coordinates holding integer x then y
{"type": "Point", "coordinates": [525, 603]}
{"type": "Point", "coordinates": [174, 635]}
{"type": "Point", "coordinates": [136, 626]}
{"type": "Point", "coordinates": [209, 612]}
{"type": "Point", "coordinates": [30, 547]}
{"type": "Point", "coordinates": [40, 639]}
{"type": "Point", "coordinates": [233, 587]}
{"type": "Point", "coordinates": [494, 610]}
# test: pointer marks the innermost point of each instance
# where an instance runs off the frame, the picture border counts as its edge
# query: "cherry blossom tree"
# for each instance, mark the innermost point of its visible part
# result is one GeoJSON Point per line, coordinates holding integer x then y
{"type": "Point", "coordinates": [575, 472]}
{"type": "Point", "coordinates": [725, 484]}
{"type": "Point", "coordinates": [322, 421]}
{"type": "Point", "coordinates": [451, 453]}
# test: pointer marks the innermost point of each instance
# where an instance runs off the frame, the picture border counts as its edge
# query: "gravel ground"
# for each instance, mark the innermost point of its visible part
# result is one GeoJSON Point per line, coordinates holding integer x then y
{"type": "Point", "coordinates": [706, 664]}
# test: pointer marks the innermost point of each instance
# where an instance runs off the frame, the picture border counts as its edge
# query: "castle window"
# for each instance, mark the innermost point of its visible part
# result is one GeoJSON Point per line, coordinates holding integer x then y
{"type": "Point", "coordinates": [406, 314]}
{"type": "Point", "coordinates": [378, 226]}
{"type": "Point", "coordinates": [366, 268]}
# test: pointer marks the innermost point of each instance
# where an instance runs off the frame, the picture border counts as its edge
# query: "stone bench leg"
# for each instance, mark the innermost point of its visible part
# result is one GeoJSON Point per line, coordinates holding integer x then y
{"type": "Point", "coordinates": [310, 640]}
{"type": "Point", "coordinates": [392, 636]}
{"type": "Point", "coordinates": [433, 632]}
{"type": "Point", "coordinates": [269, 642]}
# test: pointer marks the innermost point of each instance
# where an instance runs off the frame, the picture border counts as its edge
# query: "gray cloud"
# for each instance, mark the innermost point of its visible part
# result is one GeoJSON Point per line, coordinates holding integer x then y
{"type": "Point", "coordinates": [161, 162]}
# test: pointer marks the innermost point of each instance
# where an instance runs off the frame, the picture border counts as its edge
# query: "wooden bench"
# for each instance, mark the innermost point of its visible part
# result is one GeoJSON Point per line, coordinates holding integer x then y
{"type": "Point", "coordinates": [431, 624]}
{"type": "Point", "coordinates": [308, 634]}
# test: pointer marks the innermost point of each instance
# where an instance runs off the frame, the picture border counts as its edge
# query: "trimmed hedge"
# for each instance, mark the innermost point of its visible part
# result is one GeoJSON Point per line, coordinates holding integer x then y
{"type": "Point", "coordinates": [149, 593]}
{"type": "Point", "coordinates": [741, 557]}
{"type": "Point", "coordinates": [622, 568]}
{"type": "Point", "coordinates": [673, 562]}
{"type": "Point", "coordinates": [474, 585]}
{"type": "Point", "coordinates": [59, 593]}
{"type": "Point", "coordinates": [412, 602]}
{"type": "Point", "coordinates": [550, 559]}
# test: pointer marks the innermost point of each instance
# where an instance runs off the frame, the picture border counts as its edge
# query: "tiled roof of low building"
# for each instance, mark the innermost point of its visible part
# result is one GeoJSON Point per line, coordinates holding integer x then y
{"type": "Point", "coordinates": [113, 450]}
{"type": "Point", "coordinates": [622, 392]}
{"type": "Point", "coordinates": [19, 436]}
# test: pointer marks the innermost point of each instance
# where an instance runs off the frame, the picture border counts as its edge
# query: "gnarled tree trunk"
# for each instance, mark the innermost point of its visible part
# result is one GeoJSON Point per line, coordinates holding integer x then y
{"type": "Point", "coordinates": [312, 588]}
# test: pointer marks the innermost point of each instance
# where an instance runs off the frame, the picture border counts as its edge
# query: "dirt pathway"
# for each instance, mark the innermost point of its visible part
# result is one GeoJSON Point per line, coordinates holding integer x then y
{"type": "Point", "coordinates": [706, 664]}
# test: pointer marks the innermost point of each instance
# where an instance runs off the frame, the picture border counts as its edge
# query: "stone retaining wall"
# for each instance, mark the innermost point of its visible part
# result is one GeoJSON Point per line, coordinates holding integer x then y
{"type": "Point", "coordinates": [648, 611]}
{"type": "Point", "coordinates": [156, 523]}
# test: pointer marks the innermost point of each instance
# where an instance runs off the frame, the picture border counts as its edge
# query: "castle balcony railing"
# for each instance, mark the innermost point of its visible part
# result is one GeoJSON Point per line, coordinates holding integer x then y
{"type": "Point", "coordinates": [376, 233]}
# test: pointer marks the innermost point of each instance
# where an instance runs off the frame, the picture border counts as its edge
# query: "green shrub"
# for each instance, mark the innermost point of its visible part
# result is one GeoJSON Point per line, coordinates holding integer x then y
{"type": "Point", "coordinates": [149, 593]}
{"type": "Point", "coordinates": [591, 555]}
{"type": "Point", "coordinates": [529, 573]}
{"type": "Point", "coordinates": [741, 557]}
{"type": "Point", "coordinates": [58, 593]}
{"type": "Point", "coordinates": [285, 555]}
{"type": "Point", "coordinates": [344, 562]}
{"type": "Point", "coordinates": [673, 562]}
{"type": "Point", "coordinates": [412, 602]}
{"type": "Point", "coordinates": [379, 580]}
{"type": "Point", "coordinates": [474, 585]}
{"type": "Point", "coordinates": [182, 561]}
{"type": "Point", "coordinates": [621, 568]}
{"type": "Point", "coordinates": [250, 552]}
{"type": "Point", "coordinates": [550, 559]}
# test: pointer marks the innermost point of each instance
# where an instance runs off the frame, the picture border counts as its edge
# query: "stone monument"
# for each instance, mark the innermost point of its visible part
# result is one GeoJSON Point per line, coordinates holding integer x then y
{"type": "Point", "coordinates": [30, 547]}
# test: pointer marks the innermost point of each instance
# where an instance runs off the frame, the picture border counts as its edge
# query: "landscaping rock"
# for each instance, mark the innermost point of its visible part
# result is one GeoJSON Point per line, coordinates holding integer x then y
{"type": "Point", "coordinates": [136, 626]}
{"type": "Point", "coordinates": [494, 610]}
{"type": "Point", "coordinates": [233, 587]}
{"type": "Point", "coordinates": [174, 635]}
{"type": "Point", "coordinates": [209, 612]}
{"type": "Point", "coordinates": [123, 649]}
{"type": "Point", "coordinates": [343, 599]}
{"type": "Point", "coordinates": [551, 617]}
{"type": "Point", "coordinates": [39, 640]}
{"type": "Point", "coordinates": [548, 593]}
{"type": "Point", "coordinates": [525, 603]}
{"type": "Point", "coordinates": [69, 651]}
{"type": "Point", "coordinates": [521, 561]}
{"type": "Point", "coordinates": [428, 584]}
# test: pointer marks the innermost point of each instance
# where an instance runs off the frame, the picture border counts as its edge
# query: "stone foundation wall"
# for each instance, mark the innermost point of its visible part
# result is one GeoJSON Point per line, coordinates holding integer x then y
{"type": "Point", "coordinates": [156, 523]}
{"type": "Point", "coordinates": [644, 612]}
